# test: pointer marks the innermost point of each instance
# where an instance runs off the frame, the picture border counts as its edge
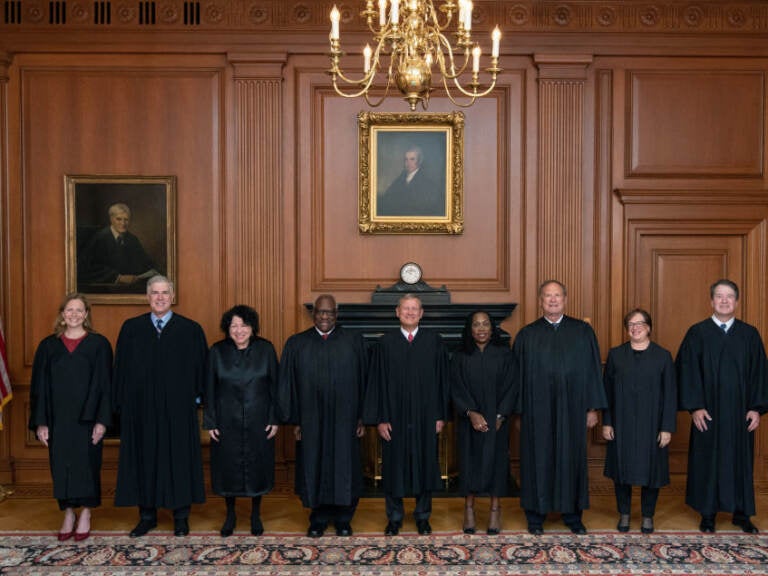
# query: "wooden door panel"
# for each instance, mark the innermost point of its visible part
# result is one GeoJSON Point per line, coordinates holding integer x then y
{"type": "Point", "coordinates": [672, 278]}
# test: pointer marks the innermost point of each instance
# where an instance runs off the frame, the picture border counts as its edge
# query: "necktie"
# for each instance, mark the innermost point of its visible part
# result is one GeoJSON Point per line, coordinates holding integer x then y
{"type": "Point", "coordinates": [555, 325]}
{"type": "Point", "coordinates": [159, 324]}
{"type": "Point", "coordinates": [410, 337]}
{"type": "Point", "coordinates": [120, 241]}
{"type": "Point", "coordinates": [325, 336]}
{"type": "Point", "coordinates": [724, 328]}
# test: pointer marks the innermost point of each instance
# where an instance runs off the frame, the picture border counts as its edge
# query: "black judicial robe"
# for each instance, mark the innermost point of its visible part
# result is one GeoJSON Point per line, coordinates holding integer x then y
{"type": "Point", "coordinates": [561, 379]}
{"type": "Point", "coordinates": [642, 401]}
{"type": "Point", "coordinates": [157, 381]}
{"type": "Point", "coordinates": [726, 375]}
{"type": "Point", "coordinates": [408, 387]}
{"type": "Point", "coordinates": [322, 382]}
{"type": "Point", "coordinates": [70, 393]}
{"type": "Point", "coordinates": [103, 259]}
{"type": "Point", "coordinates": [484, 381]}
{"type": "Point", "coordinates": [241, 401]}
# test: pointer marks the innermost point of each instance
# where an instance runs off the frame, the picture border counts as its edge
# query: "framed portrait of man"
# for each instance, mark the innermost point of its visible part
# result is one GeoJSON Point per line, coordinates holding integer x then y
{"type": "Point", "coordinates": [411, 170]}
{"type": "Point", "coordinates": [121, 231]}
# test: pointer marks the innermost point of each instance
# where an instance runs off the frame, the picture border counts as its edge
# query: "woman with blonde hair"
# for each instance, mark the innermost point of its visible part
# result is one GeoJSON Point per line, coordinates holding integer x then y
{"type": "Point", "coordinates": [70, 410]}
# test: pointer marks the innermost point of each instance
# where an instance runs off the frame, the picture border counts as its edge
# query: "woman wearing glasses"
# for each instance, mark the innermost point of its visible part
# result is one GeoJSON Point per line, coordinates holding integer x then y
{"type": "Point", "coordinates": [640, 419]}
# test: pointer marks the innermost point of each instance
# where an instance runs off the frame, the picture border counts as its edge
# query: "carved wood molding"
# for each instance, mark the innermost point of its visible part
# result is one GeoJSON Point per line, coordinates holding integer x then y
{"type": "Point", "coordinates": [660, 17]}
{"type": "Point", "coordinates": [723, 197]}
{"type": "Point", "coordinates": [561, 226]}
{"type": "Point", "coordinates": [255, 213]}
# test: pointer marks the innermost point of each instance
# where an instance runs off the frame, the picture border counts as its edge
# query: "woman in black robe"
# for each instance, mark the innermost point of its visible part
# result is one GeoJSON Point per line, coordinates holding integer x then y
{"type": "Point", "coordinates": [241, 414]}
{"type": "Point", "coordinates": [483, 389]}
{"type": "Point", "coordinates": [70, 410]}
{"type": "Point", "coordinates": [640, 419]}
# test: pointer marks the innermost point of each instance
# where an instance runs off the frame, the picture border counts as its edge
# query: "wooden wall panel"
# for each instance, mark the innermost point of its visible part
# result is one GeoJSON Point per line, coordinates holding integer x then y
{"type": "Point", "coordinates": [675, 249]}
{"type": "Point", "coordinates": [564, 225]}
{"type": "Point", "coordinates": [334, 256]}
{"type": "Point", "coordinates": [670, 112]}
{"type": "Point", "coordinates": [116, 115]}
{"type": "Point", "coordinates": [696, 123]}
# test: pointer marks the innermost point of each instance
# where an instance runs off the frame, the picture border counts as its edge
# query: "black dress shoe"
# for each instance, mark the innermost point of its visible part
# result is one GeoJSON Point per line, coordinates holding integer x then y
{"type": "Point", "coordinates": [315, 530]}
{"type": "Point", "coordinates": [180, 527]}
{"type": "Point", "coordinates": [229, 526]}
{"type": "Point", "coordinates": [535, 530]}
{"type": "Point", "coordinates": [257, 528]}
{"type": "Point", "coordinates": [143, 527]}
{"type": "Point", "coordinates": [746, 525]}
{"type": "Point", "coordinates": [392, 529]}
{"type": "Point", "coordinates": [578, 528]}
{"type": "Point", "coordinates": [707, 524]}
{"type": "Point", "coordinates": [343, 529]}
{"type": "Point", "coordinates": [623, 525]}
{"type": "Point", "coordinates": [423, 527]}
{"type": "Point", "coordinates": [647, 526]}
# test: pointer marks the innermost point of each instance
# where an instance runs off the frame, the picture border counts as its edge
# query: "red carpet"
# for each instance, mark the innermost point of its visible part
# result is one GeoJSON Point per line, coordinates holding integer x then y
{"type": "Point", "coordinates": [452, 554]}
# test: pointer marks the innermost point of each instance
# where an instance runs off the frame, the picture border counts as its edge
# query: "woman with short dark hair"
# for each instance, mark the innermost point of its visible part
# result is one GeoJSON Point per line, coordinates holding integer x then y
{"type": "Point", "coordinates": [640, 386]}
{"type": "Point", "coordinates": [241, 414]}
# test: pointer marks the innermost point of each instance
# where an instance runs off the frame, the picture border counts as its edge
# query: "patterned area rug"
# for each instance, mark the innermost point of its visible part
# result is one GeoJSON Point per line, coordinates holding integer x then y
{"type": "Point", "coordinates": [452, 554]}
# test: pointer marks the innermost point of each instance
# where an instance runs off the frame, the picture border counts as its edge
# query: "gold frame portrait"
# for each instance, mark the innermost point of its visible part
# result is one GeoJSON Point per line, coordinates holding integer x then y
{"type": "Point", "coordinates": [385, 141]}
{"type": "Point", "coordinates": [151, 235]}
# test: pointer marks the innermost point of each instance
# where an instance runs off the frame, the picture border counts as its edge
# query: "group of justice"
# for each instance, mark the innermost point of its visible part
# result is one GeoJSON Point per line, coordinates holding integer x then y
{"type": "Point", "coordinates": [327, 389]}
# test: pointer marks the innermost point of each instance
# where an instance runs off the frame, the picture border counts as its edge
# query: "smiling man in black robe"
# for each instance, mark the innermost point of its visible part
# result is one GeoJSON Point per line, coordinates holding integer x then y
{"type": "Point", "coordinates": [721, 368]}
{"type": "Point", "coordinates": [561, 390]}
{"type": "Point", "coordinates": [322, 378]}
{"type": "Point", "coordinates": [407, 401]}
{"type": "Point", "coordinates": [159, 373]}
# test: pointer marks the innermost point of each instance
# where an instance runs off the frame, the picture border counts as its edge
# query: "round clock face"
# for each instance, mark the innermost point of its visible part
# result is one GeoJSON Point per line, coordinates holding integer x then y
{"type": "Point", "coordinates": [410, 273]}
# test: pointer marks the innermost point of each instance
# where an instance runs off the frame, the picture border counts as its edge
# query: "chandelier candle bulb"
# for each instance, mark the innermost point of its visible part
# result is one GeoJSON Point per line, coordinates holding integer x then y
{"type": "Point", "coordinates": [367, 58]}
{"type": "Point", "coordinates": [394, 12]}
{"type": "Point", "coordinates": [335, 23]}
{"type": "Point", "coordinates": [468, 16]}
{"type": "Point", "coordinates": [476, 59]}
{"type": "Point", "coordinates": [382, 13]}
{"type": "Point", "coordinates": [496, 36]}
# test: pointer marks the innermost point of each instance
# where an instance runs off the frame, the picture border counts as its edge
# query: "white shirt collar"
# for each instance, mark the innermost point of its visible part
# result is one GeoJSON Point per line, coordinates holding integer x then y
{"type": "Point", "coordinates": [727, 324]}
{"type": "Point", "coordinates": [405, 332]}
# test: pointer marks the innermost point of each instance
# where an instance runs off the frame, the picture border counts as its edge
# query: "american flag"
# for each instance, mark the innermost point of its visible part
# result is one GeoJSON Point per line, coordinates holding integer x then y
{"type": "Point", "coordinates": [5, 379]}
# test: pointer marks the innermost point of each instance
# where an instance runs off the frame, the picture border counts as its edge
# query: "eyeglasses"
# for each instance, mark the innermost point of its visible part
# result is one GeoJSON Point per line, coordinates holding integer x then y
{"type": "Point", "coordinates": [631, 325]}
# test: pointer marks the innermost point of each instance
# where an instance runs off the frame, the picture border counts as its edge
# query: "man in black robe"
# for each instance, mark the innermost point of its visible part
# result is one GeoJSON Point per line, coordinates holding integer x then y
{"type": "Point", "coordinates": [407, 400]}
{"type": "Point", "coordinates": [113, 255]}
{"type": "Point", "coordinates": [322, 378]}
{"type": "Point", "coordinates": [721, 368]}
{"type": "Point", "coordinates": [159, 375]}
{"type": "Point", "coordinates": [561, 391]}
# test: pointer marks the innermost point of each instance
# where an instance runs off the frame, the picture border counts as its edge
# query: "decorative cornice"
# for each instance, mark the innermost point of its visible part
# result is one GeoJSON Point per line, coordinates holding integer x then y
{"type": "Point", "coordinates": [637, 16]}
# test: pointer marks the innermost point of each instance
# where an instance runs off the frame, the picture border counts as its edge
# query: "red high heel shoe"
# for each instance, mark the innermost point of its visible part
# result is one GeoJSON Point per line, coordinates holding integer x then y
{"type": "Point", "coordinates": [66, 535]}
{"type": "Point", "coordinates": [80, 536]}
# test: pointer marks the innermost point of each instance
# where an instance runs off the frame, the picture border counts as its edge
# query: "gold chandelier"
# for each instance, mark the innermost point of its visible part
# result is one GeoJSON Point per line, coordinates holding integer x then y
{"type": "Point", "coordinates": [409, 37]}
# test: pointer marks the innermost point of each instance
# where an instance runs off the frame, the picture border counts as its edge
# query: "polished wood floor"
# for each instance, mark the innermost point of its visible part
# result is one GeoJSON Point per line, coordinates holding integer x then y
{"type": "Point", "coordinates": [283, 513]}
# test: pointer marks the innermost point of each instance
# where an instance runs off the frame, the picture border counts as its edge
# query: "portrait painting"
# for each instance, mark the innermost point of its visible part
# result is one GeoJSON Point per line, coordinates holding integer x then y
{"type": "Point", "coordinates": [411, 173]}
{"type": "Point", "coordinates": [121, 231]}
